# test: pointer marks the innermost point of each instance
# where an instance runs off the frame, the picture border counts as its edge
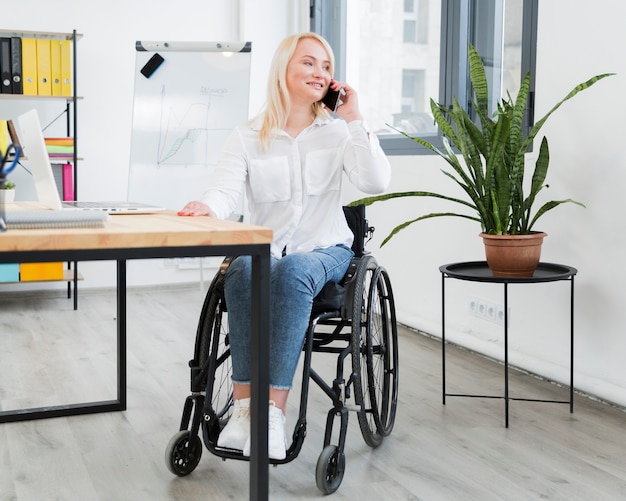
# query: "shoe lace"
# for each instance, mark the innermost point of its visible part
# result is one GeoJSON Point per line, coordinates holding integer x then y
{"type": "Point", "coordinates": [276, 419]}
{"type": "Point", "coordinates": [241, 414]}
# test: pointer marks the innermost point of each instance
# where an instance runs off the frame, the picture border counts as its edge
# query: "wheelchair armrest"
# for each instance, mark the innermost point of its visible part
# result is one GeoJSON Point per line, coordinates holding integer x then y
{"type": "Point", "coordinates": [349, 283]}
{"type": "Point", "coordinates": [351, 273]}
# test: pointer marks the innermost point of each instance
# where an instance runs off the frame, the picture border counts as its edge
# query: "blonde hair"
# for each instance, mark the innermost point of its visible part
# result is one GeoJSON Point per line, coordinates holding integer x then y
{"type": "Point", "coordinates": [278, 102]}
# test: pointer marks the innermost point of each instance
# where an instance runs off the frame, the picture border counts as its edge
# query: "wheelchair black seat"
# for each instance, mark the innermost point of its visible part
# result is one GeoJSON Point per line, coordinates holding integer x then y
{"type": "Point", "coordinates": [331, 297]}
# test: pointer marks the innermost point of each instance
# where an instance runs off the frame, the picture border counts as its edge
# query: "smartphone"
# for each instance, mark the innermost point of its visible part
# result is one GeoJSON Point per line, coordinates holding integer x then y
{"type": "Point", "coordinates": [331, 99]}
{"type": "Point", "coordinates": [151, 66]}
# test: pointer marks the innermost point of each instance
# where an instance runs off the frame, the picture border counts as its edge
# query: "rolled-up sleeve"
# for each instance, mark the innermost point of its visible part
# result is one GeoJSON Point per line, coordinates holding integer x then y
{"type": "Point", "coordinates": [229, 178]}
{"type": "Point", "coordinates": [365, 162]}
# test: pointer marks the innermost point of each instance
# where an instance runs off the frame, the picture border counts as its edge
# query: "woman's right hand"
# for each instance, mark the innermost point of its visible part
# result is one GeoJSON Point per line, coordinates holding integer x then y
{"type": "Point", "coordinates": [195, 208]}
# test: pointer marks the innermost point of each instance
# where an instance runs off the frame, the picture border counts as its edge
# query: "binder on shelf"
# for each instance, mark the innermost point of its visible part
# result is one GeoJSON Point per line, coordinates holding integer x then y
{"type": "Point", "coordinates": [64, 179]}
{"type": "Point", "coordinates": [30, 272]}
{"type": "Point", "coordinates": [29, 66]}
{"type": "Point", "coordinates": [16, 65]}
{"type": "Point", "coordinates": [66, 68]}
{"type": "Point", "coordinates": [55, 66]}
{"type": "Point", "coordinates": [5, 65]}
{"type": "Point", "coordinates": [44, 72]}
{"type": "Point", "coordinates": [10, 272]}
{"type": "Point", "coordinates": [4, 136]}
{"type": "Point", "coordinates": [68, 182]}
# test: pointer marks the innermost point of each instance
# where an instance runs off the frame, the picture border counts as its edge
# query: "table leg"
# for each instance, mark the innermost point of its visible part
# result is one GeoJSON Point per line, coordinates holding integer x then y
{"type": "Point", "coordinates": [443, 338]}
{"type": "Point", "coordinates": [571, 352]}
{"type": "Point", "coordinates": [121, 334]}
{"type": "Point", "coordinates": [506, 354]}
{"type": "Point", "coordinates": [259, 462]}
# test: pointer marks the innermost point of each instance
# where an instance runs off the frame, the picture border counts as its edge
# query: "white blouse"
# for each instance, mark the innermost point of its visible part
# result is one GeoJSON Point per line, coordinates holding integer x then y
{"type": "Point", "coordinates": [295, 187]}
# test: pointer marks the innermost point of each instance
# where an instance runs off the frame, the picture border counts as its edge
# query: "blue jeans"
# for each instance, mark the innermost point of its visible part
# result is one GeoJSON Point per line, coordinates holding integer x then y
{"type": "Point", "coordinates": [294, 281]}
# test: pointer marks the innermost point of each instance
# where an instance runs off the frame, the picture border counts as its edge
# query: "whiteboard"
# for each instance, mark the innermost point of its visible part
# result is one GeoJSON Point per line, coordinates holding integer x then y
{"type": "Point", "coordinates": [183, 111]}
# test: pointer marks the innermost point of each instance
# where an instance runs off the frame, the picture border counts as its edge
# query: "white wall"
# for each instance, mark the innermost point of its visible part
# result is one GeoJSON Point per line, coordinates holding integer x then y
{"type": "Point", "coordinates": [576, 39]}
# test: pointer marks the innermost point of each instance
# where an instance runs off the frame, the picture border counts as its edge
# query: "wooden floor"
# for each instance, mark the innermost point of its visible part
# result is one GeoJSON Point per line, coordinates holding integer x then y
{"type": "Point", "coordinates": [50, 354]}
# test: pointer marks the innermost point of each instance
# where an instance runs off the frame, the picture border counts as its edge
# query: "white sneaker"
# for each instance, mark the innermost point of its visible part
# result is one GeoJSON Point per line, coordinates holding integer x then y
{"type": "Point", "coordinates": [236, 433]}
{"type": "Point", "coordinates": [276, 439]}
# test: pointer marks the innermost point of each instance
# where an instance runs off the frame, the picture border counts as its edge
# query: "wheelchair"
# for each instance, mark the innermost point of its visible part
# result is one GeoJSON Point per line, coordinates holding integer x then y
{"type": "Point", "coordinates": [354, 319]}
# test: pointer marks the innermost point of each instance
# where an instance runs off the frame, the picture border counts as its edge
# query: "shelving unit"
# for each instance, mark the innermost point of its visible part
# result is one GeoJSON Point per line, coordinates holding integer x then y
{"type": "Point", "coordinates": [69, 110]}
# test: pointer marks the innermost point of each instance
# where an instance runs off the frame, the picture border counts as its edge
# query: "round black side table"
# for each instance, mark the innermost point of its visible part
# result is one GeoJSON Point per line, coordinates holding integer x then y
{"type": "Point", "coordinates": [478, 271]}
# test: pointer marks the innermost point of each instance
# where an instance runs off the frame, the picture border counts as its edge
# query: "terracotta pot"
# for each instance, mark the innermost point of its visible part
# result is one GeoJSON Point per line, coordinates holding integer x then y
{"type": "Point", "coordinates": [513, 255]}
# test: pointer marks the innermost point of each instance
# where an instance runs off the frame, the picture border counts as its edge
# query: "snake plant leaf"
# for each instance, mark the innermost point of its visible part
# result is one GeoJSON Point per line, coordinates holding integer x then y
{"type": "Point", "coordinates": [400, 227]}
{"type": "Point", "coordinates": [441, 121]}
{"type": "Point", "coordinates": [478, 78]}
{"type": "Point", "coordinates": [580, 87]}
{"type": "Point", "coordinates": [549, 206]}
{"type": "Point", "coordinates": [389, 196]}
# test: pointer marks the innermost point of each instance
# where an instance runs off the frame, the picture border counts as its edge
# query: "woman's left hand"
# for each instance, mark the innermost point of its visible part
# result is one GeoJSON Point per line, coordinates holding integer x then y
{"type": "Point", "coordinates": [349, 110]}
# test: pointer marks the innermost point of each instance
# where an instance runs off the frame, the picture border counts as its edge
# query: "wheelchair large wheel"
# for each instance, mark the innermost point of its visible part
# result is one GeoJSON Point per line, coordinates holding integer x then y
{"type": "Point", "coordinates": [381, 345]}
{"type": "Point", "coordinates": [361, 350]}
{"type": "Point", "coordinates": [213, 357]}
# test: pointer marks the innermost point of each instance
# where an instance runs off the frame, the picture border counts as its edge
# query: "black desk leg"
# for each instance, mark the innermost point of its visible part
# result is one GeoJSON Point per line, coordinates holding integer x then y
{"type": "Point", "coordinates": [121, 333]}
{"type": "Point", "coordinates": [75, 283]}
{"type": "Point", "coordinates": [259, 367]}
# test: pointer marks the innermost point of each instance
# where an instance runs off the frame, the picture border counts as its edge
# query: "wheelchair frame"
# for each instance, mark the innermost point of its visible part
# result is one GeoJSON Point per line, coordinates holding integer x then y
{"type": "Point", "coordinates": [361, 325]}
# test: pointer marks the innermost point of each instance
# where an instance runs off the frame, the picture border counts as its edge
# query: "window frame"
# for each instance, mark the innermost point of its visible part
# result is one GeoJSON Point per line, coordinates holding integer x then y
{"type": "Point", "coordinates": [328, 17]}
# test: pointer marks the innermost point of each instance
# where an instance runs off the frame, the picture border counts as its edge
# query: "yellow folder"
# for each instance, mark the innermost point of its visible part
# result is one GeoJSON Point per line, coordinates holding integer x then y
{"type": "Point", "coordinates": [4, 136]}
{"type": "Point", "coordinates": [66, 68]}
{"type": "Point", "coordinates": [55, 66]}
{"type": "Point", "coordinates": [29, 66]}
{"type": "Point", "coordinates": [32, 272]}
{"type": "Point", "coordinates": [44, 71]}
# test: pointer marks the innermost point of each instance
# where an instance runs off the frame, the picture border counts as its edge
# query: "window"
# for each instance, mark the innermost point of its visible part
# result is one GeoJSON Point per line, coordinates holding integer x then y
{"type": "Point", "coordinates": [400, 54]}
{"type": "Point", "coordinates": [415, 28]}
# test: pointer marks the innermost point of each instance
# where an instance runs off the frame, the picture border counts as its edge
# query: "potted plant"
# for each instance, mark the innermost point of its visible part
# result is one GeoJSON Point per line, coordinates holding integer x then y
{"type": "Point", "coordinates": [488, 163]}
{"type": "Point", "coordinates": [8, 191]}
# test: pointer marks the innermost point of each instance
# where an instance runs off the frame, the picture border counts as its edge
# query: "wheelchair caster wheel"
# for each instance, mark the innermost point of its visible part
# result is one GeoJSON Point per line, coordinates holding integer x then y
{"type": "Point", "coordinates": [330, 468]}
{"type": "Point", "coordinates": [183, 453]}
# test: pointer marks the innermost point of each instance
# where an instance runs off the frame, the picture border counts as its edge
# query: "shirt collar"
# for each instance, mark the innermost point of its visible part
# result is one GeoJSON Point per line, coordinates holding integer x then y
{"type": "Point", "coordinates": [256, 123]}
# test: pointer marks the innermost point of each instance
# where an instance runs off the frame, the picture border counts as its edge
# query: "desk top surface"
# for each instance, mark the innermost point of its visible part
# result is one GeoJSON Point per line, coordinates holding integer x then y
{"type": "Point", "coordinates": [163, 229]}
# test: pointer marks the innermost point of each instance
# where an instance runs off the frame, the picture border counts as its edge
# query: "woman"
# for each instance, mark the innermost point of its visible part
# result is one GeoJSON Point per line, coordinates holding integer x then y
{"type": "Point", "coordinates": [291, 160]}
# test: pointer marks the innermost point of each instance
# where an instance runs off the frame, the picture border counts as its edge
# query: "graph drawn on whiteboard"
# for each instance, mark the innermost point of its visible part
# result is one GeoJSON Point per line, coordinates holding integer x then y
{"type": "Point", "coordinates": [188, 98]}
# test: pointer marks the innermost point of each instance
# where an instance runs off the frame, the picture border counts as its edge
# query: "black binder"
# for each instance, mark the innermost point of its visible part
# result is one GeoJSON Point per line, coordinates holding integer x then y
{"type": "Point", "coordinates": [5, 65]}
{"type": "Point", "coordinates": [16, 66]}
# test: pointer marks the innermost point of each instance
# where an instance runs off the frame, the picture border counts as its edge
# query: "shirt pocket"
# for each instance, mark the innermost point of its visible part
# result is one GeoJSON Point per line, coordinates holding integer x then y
{"type": "Point", "coordinates": [323, 171]}
{"type": "Point", "coordinates": [270, 180]}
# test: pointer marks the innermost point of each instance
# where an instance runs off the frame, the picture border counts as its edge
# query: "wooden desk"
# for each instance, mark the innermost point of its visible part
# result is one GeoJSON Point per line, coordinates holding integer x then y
{"type": "Point", "coordinates": [161, 235]}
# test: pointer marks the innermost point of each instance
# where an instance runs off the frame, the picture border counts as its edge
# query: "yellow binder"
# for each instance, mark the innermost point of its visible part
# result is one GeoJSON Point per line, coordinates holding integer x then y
{"type": "Point", "coordinates": [4, 136]}
{"type": "Point", "coordinates": [55, 66]}
{"type": "Point", "coordinates": [35, 272]}
{"type": "Point", "coordinates": [29, 66]}
{"type": "Point", "coordinates": [66, 68]}
{"type": "Point", "coordinates": [44, 71]}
